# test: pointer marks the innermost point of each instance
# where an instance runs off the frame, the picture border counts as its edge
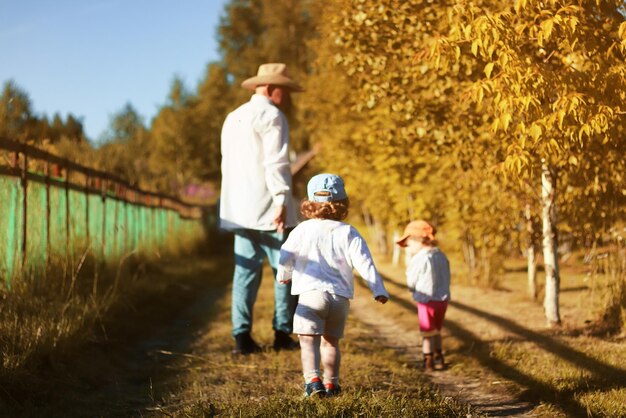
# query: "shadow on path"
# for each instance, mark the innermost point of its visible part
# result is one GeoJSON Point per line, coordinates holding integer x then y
{"type": "Point", "coordinates": [604, 376]}
{"type": "Point", "coordinates": [131, 366]}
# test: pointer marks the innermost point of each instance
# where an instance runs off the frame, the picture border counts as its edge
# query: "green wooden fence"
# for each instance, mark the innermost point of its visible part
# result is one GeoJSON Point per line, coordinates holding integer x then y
{"type": "Point", "coordinates": [52, 210]}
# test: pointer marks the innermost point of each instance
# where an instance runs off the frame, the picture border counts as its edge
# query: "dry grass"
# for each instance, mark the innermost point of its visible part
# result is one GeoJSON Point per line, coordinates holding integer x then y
{"type": "Point", "coordinates": [377, 381]}
{"type": "Point", "coordinates": [167, 352]}
{"type": "Point", "coordinates": [163, 348]}
{"type": "Point", "coordinates": [42, 313]}
{"type": "Point", "coordinates": [500, 335]}
{"type": "Point", "coordinates": [45, 316]}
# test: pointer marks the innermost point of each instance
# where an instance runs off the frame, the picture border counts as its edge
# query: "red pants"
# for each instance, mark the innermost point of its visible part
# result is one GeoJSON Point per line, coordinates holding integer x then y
{"type": "Point", "coordinates": [431, 316]}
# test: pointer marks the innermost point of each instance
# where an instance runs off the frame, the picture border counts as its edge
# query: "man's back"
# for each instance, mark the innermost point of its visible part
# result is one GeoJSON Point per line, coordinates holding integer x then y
{"type": "Point", "coordinates": [255, 166]}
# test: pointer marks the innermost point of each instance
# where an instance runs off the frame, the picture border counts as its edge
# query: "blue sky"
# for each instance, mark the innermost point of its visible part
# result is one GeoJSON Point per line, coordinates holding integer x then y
{"type": "Point", "coordinates": [91, 57]}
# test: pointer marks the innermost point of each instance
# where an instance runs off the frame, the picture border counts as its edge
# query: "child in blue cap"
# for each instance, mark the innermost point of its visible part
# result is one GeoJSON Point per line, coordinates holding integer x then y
{"type": "Point", "coordinates": [318, 258]}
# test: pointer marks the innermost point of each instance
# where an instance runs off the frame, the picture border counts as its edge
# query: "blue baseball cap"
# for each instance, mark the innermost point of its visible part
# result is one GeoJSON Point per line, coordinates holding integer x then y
{"type": "Point", "coordinates": [326, 188]}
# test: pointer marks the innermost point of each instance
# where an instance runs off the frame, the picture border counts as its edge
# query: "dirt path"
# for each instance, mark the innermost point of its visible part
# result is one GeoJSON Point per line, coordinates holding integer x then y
{"type": "Point", "coordinates": [487, 392]}
{"type": "Point", "coordinates": [171, 353]}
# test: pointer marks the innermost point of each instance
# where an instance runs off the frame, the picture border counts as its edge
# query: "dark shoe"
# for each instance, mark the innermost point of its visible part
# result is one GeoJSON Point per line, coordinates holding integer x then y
{"type": "Point", "coordinates": [429, 364]}
{"type": "Point", "coordinates": [244, 344]}
{"type": "Point", "coordinates": [332, 389]}
{"type": "Point", "coordinates": [439, 364]}
{"type": "Point", "coordinates": [314, 389]}
{"type": "Point", "coordinates": [282, 341]}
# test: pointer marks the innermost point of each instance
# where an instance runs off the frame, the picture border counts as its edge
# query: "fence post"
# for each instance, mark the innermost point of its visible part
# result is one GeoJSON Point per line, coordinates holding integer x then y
{"type": "Point", "coordinates": [87, 188]}
{"type": "Point", "coordinates": [12, 232]}
{"type": "Point", "coordinates": [48, 212]}
{"type": "Point", "coordinates": [115, 250]}
{"type": "Point", "coordinates": [68, 232]}
{"type": "Point", "coordinates": [125, 245]}
{"type": "Point", "coordinates": [24, 208]}
{"type": "Point", "coordinates": [104, 218]}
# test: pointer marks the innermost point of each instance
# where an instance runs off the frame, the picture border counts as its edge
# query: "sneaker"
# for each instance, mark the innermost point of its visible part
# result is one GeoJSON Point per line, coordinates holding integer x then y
{"type": "Point", "coordinates": [332, 389]}
{"type": "Point", "coordinates": [244, 344]}
{"type": "Point", "coordinates": [282, 341]}
{"type": "Point", "coordinates": [314, 389]}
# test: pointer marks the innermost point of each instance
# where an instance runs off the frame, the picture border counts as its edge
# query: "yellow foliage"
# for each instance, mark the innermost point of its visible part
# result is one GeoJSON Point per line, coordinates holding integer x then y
{"type": "Point", "coordinates": [471, 97]}
{"type": "Point", "coordinates": [488, 69]}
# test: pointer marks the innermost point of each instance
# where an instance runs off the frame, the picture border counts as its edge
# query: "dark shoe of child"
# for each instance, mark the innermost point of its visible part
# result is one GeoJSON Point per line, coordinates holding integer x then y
{"type": "Point", "coordinates": [429, 364]}
{"type": "Point", "coordinates": [314, 389]}
{"type": "Point", "coordinates": [244, 344]}
{"type": "Point", "coordinates": [282, 341]}
{"type": "Point", "coordinates": [332, 389]}
{"type": "Point", "coordinates": [439, 364]}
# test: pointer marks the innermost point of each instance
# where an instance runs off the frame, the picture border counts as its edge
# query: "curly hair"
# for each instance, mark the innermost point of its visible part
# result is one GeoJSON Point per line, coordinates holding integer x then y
{"type": "Point", "coordinates": [337, 210]}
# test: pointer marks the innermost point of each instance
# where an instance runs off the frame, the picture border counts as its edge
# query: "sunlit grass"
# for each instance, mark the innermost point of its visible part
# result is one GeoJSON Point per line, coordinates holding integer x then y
{"type": "Point", "coordinates": [377, 381]}
{"type": "Point", "coordinates": [566, 371]}
{"type": "Point", "coordinates": [47, 310]}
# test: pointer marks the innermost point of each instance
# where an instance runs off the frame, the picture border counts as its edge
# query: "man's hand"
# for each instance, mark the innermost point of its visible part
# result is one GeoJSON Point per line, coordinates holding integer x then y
{"type": "Point", "coordinates": [381, 299]}
{"type": "Point", "coordinates": [279, 218]}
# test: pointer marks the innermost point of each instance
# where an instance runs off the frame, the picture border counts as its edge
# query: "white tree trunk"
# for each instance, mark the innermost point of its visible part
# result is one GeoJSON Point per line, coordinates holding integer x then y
{"type": "Point", "coordinates": [397, 250]}
{"type": "Point", "coordinates": [550, 259]}
{"type": "Point", "coordinates": [381, 238]}
{"type": "Point", "coordinates": [530, 255]}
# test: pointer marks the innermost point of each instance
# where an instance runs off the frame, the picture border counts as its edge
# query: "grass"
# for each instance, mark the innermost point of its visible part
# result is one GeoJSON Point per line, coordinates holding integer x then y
{"type": "Point", "coordinates": [501, 335]}
{"type": "Point", "coordinates": [46, 317]}
{"type": "Point", "coordinates": [41, 313]}
{"type": "Point", "coordinates": [162, 346]}
{"type": "Point", "coordinates": [377, 381]}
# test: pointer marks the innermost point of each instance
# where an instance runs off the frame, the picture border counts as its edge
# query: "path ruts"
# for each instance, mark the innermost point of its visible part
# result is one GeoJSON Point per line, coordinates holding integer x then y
{"type": "Point", "coordinates": [485, 393]}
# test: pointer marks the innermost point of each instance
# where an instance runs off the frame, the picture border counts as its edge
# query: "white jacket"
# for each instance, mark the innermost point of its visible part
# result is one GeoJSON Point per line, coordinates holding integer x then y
{"type": "Point", "coordinates": [428, 275]}
{"type": "Point", "coordinates": [320, 254]}
{"type": "Point", "coordinates": [256, 174]}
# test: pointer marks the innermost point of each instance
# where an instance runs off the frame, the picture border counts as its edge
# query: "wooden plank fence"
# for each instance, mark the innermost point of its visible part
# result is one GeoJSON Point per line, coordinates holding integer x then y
{"type": "Point", "coordinates": [53, 207]}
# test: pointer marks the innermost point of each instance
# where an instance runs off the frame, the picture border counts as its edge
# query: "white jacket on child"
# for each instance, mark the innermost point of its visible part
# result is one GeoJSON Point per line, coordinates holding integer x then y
{"type": "Point", "coordinates": [320, 254]}
{"type": "Point", "coordinates": [428, 275]}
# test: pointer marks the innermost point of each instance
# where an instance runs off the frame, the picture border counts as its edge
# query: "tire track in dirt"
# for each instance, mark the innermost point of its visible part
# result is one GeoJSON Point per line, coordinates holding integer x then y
{"type": "Point", "coordinates": [481, 393]}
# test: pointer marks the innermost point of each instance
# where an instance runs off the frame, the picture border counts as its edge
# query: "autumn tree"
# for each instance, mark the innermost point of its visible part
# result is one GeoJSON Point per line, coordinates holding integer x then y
{"type": "Point", "coordinates": [399, 131]}
{"type": "Point", "coordinates": [209, 108]}
{"type": "Point", "coordinates": [554, 83]}
{"type": "Point", "coordinates": [252, 32]}
{"type": "Point", "coordinates": [124, 150]}
{"type": "Point", "coordinates": [17, 120]}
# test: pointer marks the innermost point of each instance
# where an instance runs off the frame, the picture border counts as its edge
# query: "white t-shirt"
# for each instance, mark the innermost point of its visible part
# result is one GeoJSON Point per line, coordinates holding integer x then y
{"type": "Point", "coordinates": [320, 254]}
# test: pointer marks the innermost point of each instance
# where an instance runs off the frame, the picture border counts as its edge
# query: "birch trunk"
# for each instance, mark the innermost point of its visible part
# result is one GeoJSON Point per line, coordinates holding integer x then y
{"type": "Point", "coordinates": [548, 206]}
{"type": "Point", "coordinates": [530, 255]}
{"type": "Point", "coordinates": [469, 252]}
{"type": "Point", "coordinates": [381, 238]}
{"type": "Point", "coordinates": [397, 250]}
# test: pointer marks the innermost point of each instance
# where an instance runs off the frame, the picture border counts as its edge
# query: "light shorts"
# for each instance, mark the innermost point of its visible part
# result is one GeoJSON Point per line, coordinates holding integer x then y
{"type": "Point", "coordinates": [321, 313]}
{"type": "Point", "coordinates": [431, 316]}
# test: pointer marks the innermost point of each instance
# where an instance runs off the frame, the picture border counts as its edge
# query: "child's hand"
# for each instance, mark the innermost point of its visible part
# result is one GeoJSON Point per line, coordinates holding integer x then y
{"type": "Point", "coordinates": [381, 299]}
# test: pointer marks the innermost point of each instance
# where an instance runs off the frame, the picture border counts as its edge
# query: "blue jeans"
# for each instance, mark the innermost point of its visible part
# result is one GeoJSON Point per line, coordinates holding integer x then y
{"type": "Point", "coordinates": [251, 248]}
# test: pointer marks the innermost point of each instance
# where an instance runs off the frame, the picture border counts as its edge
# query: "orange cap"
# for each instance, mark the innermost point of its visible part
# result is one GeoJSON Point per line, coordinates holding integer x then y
{"type": "Point", "coordinates": [418, 229]}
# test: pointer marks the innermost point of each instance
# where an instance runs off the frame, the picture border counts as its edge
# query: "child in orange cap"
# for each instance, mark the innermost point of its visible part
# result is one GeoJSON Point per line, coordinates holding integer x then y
{"type": "Point", "coordinates": [428, 277]}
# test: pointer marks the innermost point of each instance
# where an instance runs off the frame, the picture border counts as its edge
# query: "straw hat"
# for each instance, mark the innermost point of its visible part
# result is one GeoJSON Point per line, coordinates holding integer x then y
{"type": "Point", "coordinates": [272, 73]}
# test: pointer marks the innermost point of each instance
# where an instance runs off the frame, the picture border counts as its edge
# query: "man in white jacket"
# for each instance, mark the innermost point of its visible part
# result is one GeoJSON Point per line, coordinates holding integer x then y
{"type": "Point", "coordinates": [256, 201]}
